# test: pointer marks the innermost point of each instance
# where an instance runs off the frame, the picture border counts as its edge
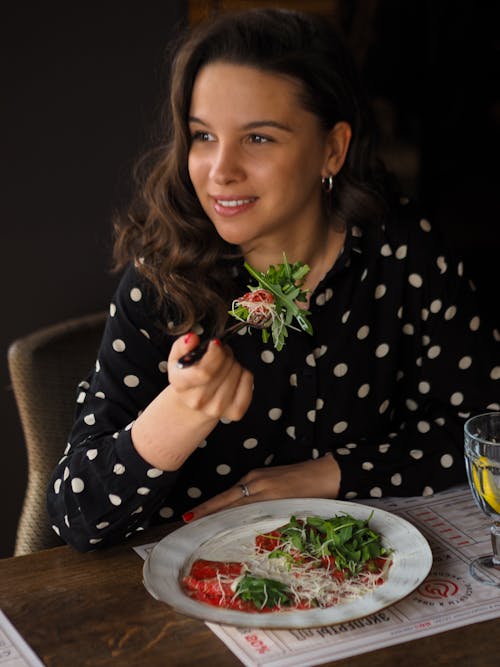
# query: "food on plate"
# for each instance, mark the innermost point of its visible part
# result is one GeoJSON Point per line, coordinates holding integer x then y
{"type": "Point", "coordinates": [274, 301]}
{"type": "Point", "coordinates": [304, 564]}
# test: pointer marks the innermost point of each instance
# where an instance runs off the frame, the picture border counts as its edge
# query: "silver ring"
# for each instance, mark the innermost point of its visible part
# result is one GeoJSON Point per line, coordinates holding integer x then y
{"type": "Point", "coordinates": [244, 490]}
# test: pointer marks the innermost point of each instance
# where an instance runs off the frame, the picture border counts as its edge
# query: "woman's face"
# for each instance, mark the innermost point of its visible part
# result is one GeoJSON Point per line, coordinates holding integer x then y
{"type": "Point", "coordinates": [256, 158]}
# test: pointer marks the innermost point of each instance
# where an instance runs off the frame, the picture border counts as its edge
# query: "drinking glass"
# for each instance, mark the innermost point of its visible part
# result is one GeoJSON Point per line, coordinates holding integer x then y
{"type": "Point", "coordinates": [482, 460]}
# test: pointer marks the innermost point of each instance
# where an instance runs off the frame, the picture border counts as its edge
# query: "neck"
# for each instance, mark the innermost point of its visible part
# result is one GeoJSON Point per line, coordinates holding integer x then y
{"type": "Point", "coordinates": [319, 251]}
{"type": "Point", "coordinates": [324, 258]}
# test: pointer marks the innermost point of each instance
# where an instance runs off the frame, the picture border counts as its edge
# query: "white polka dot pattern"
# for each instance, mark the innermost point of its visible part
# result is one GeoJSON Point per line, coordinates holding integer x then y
{"type": "Point", "coordinates": [340, 370]}
{"type": "Point", "coordinates": [154, 472]}
{"type": "Point", "coordinates": [166, 512]}
{"type": "Point", "coordinates": [267, 356]}
{"type": "Point", "coordinates": [382, 350]}
{"type": "Point", "coordinates": [340, 427]}
{"type": "Point", "coordinates": [118, 345]}
{"type": "Point", "coordinates": [131, 380]}
{"type": "Point", "coordinates": [399, 356]}
{"type": "Point", "coordinates": [135, 294]}
{"type": "Point", "coordinates": [363, 332]}
{"type": "Point", "coordinates": [415, 280]}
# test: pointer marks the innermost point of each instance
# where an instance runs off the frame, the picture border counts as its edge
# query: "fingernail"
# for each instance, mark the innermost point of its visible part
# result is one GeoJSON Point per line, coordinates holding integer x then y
{"type": "Point", "coordinates": [188, 516]}
{"type": "Point", "coordinates": [216, 341]}
{"type": "Point", "coordinates": [188, 337]}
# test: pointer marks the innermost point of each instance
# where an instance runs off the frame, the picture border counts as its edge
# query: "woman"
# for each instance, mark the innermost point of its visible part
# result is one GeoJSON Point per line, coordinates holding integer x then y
{"type": "Point", "coordinates": [269, 151]}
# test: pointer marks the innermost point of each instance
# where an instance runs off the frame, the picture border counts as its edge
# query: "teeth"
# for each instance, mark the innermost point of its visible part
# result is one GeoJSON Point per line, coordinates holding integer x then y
{"type": "Point", "coordinates": [234, 202]}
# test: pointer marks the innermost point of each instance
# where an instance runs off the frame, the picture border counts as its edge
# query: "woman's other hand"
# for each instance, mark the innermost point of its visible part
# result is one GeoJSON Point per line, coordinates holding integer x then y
{"type": "Point", "coordinates": [317, 478]}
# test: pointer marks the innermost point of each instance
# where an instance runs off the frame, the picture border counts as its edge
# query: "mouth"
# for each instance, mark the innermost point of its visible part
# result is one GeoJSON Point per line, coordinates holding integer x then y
{"type": "Point", "coordinates": [232, 205]}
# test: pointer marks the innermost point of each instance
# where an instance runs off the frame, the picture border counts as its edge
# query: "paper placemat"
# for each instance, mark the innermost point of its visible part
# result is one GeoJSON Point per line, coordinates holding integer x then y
{"type": "Point", "coordinates": [449, 597]}
{"type": "Point", "coordinates": [14, 651]}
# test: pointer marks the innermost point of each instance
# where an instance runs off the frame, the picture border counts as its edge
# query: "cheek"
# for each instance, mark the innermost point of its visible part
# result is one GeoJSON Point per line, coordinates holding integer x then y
{"type": "Point", "coordinates": [192, 170]}
{"type": "Point", "coordinates": [296, 174]}
{"type": "Point", "coordinates": [196, 170]}
{"type": "Point", "coordinates": [275, 174]}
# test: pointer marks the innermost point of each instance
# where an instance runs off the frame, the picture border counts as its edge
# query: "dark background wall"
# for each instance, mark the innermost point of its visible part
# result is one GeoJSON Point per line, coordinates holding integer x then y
{"type": "Point", "coordinates": [80, 88]}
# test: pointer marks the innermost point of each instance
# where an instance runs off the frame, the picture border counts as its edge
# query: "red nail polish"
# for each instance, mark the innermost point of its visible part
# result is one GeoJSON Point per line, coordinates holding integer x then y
{"type": "Point", "coordinates": [187, 337]}
{"type": "Point", "coordinates": [216, 341]}
{"type": "Point", "coordinates": [188, 516]}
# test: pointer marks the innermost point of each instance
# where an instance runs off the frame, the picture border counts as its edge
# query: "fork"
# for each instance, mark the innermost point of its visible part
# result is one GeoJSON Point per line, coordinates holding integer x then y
{"type": "Point", "coordinates": [197, 352]}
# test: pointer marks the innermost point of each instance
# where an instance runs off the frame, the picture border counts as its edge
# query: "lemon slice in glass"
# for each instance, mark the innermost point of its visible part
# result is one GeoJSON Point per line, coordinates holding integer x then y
{"type": "Point", "coordinates": [485, 483]}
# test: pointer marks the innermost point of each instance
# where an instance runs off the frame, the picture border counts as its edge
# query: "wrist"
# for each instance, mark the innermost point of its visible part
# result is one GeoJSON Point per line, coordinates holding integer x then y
{"type": "Point", "coordinates": [334, 470]}
{"type": "Point", "coordinates": [168, 431]}
{"type": "Point", "coordinates": [190, 414]}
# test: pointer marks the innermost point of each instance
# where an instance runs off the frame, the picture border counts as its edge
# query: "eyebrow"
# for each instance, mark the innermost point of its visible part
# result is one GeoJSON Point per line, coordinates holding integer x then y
{"type": "Point", "coordinates": [250, 126]}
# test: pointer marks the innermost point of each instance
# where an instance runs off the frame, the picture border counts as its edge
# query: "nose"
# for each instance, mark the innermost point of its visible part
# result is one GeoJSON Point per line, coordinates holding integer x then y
{"type": "Point", "coordinates": [227, 166]}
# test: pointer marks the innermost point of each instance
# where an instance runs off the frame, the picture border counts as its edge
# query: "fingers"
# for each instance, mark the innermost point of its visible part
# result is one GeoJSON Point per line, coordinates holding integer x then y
{"type": "Point", "coordinates": [216, 385]}
{"type": "Point", "coordinates": [250, 489]}
{"type": "Point", "coordinates": [233, 397]}
{"type": "Point", "coordinates": [233, 497]}
{"type": "Point", "coordinates": [242, 397]}
{"type": "Point", "coordinates": [318, 478]}
{"type": "Point", "coordinates": [203, 370]}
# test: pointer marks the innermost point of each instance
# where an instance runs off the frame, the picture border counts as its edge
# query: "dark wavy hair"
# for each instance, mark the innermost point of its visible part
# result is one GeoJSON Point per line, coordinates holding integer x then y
{"type": "Point", "coordinates": [166, 232]}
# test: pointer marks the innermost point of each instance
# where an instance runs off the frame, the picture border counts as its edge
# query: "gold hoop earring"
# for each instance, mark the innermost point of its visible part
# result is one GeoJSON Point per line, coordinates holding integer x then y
{"type": "Point", "coordinates": [327, 183]}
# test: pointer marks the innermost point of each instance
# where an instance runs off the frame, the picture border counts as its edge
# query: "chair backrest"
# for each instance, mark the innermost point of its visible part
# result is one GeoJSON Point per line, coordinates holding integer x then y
{"type": "Point", "coordinates": [45, 368]}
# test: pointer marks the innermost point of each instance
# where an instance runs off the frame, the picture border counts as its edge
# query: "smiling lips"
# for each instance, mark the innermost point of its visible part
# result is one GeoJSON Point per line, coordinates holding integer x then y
{"type": "Point", "coordinates": [228, 206]}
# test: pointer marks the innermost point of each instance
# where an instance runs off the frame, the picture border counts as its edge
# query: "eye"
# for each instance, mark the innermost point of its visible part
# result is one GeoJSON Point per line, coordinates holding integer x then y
{"type": "Point", "coordinates": [202, 136]}
{"type": "Point", "coordinates": [259, 139]}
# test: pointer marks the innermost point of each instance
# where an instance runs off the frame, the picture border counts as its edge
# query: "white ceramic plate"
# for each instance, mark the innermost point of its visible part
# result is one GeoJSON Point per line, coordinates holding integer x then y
{"type": "Point", "coordinates": [227, 535]}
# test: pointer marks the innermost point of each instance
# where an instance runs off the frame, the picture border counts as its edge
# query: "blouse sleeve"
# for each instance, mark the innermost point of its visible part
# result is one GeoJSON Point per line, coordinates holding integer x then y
{"type": "Point", "coordinates": [102, 490]}
{"type": "Point", "coordinates": [449, 371]}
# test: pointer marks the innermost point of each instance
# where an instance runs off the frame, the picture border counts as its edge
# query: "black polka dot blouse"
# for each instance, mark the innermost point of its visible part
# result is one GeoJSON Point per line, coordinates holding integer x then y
{"type": "Point", "coordinates": [400, 357]}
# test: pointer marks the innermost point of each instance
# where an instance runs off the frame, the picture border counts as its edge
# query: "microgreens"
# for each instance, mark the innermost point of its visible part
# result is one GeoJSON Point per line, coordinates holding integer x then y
{"type": "Point", "coordinates": [284, 282]}
{"type": "Point", "coordinates": [351, 541]}
{"type": "Point", "coordinates": [263, 592]}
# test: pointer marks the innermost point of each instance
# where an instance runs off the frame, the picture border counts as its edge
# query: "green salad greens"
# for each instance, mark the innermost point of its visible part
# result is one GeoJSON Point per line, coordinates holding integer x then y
{"type": "Point", "coordinates": [275, 299]}
{"type": "Point", "coordinates": [263, 592]}
{"type": "Point", "coordinates": [350, 541]}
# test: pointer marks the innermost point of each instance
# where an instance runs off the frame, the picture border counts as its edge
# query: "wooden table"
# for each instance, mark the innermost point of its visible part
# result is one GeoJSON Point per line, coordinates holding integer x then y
{"type": "Point", "coordinates": [91, 610]}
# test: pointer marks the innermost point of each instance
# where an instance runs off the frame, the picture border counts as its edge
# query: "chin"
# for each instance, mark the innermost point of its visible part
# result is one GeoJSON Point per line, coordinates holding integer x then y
{"type": "Point", "coordinates": [233, 236]}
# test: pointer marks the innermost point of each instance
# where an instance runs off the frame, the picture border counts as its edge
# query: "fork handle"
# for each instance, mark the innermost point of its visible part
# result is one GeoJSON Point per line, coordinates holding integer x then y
{"type": "Point", "coordinates": [193, 355]}
{"type": "Point", "coordinates": [197, 352]}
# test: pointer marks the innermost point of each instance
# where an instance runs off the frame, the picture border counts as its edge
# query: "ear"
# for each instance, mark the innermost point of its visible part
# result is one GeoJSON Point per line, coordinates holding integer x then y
{"type": "Point", "coordinates": [336, 147]}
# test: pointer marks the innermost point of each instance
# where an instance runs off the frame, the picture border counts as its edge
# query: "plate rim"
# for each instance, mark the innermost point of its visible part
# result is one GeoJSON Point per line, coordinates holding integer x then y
{"type": "Point", "coordinates": [277, 621]}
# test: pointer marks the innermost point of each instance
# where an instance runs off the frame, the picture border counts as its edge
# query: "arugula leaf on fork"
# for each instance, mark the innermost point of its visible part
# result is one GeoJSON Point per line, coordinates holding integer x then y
{"type": "Point", "coordinates": [284, 285]}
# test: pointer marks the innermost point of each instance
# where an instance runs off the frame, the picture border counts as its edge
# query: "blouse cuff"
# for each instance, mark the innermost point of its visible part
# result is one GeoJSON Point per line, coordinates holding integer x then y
{"type": "Point", "coordinates": [140, 468]}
